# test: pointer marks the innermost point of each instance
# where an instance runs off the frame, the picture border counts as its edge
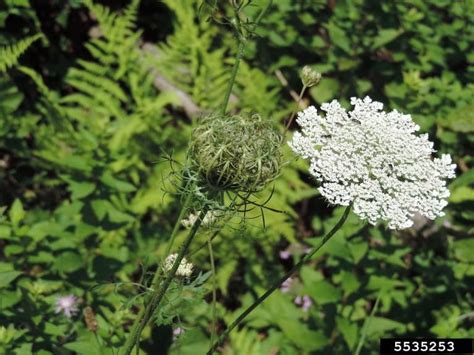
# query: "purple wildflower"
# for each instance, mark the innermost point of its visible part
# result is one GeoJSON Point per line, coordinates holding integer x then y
{"type": "Point", "coordinates": [304, 302]}
{"type": "Point", "coordinates": [285, 254]}
{"type": "Point", "coordinates": [177, 332]}
{"type": "Point", "coordinates": [286, 285]}
{"type": "Point", "coordinates": [67, 305]}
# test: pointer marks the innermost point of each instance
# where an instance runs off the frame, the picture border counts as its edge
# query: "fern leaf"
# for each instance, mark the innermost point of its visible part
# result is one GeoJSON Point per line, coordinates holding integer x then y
{"type": "Point", "coordinates": [189, 60]}
{"type": "Point", "coordinates": [103, 82]}
{"type": "Point", "coordinates": [50, 106]}
{"type": "Point", "coordinates": [10, 54]}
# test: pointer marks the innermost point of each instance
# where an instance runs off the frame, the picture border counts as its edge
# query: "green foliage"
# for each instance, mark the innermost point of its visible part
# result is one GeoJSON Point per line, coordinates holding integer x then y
{"type": "Point", "coordinates": [10, 54]}
{"type": "Point", "coordinates": [85, 142]}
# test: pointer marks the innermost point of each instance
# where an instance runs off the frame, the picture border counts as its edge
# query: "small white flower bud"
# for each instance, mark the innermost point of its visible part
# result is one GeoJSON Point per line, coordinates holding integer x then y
{"type": "Point", "coordinates": [209, 219]}
{"type": "Point", "coordinates": [309, 77]}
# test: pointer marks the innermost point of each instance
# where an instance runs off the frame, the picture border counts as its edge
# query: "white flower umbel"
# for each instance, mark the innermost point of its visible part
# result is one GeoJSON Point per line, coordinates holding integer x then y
{"type": "Point", "coordinates": [185, 269]}
{"type": "Point", "coordinates": [374, 160]}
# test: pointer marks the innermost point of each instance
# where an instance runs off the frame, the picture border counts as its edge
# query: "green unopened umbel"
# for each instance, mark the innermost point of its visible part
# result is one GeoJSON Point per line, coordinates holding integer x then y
{"type": "Point", "coordinates": [239, 153]}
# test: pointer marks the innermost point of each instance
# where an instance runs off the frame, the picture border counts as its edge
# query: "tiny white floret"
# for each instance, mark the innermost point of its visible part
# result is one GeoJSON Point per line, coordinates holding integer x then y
{"type": "Point", "coordinates": [185, 269]}
{"type": "Point", "coordinates": [209, 219]}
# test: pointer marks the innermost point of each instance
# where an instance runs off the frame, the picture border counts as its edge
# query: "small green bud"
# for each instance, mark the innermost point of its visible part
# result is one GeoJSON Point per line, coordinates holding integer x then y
{"type": "Point", "coordinates": [309, 77]}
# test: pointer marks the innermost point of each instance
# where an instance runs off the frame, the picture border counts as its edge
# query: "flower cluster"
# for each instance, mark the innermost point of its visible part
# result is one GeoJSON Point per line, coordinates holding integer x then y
{"type": "Point", "coordinates": [185, 269]}
{"type": "Point", "coordinates": [374, 160]}
{"type": "Point", "coordinates": [209, 219]}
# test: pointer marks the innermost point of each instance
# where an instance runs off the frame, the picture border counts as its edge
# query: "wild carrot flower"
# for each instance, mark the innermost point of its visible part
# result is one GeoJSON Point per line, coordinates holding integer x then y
{"type": "Point", "coordinates": [185, 269]}
{"type": "Point", "coordinates": [67, 305]}
{"type": "Point", "coordinates": [374, 160]}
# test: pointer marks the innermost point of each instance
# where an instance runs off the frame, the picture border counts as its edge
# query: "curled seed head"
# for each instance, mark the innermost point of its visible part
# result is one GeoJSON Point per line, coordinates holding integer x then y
{"type": "Point", "coordinates": [237, 153]}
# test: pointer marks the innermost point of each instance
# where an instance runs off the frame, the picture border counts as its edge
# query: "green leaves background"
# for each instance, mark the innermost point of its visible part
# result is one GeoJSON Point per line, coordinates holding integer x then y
{"type": "Point", "coordinates": [86, 129]}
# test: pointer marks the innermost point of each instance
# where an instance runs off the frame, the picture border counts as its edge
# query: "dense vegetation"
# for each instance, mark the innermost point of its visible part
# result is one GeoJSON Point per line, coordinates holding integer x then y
{"type": "Point", "coordinates": [97, 103]}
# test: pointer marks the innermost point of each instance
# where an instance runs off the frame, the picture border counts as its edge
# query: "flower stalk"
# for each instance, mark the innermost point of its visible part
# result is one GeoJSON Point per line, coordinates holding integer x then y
{"type": "Point", "coordinates": [146, 314]}
{"type": "Point", "coordinates": [277, 284]}
{"type": "Point", "coordinates": [293, 114]}
{"type": "Point", "coordinates": [242, 36]}
{"type": "Point", "coordinates": [233, 75]}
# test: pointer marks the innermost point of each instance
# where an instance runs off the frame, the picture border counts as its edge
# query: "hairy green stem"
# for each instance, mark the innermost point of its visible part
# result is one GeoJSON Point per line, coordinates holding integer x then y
{"type": "Point", "coordinates": [233, 75]}
{"type": "Point", "coordinates": [146, 314]}
{"type": "Point", "coordinates": [157, 275]}
{"type": "Point", "coordinates": [276, 285]}
{"type": "Point", "coordinates": [240, 51]}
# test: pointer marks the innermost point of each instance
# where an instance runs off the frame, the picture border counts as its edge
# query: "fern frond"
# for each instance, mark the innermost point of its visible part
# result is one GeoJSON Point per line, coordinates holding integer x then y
{"type": "Point", "coordinates": [51, 106]}
{"type": "Point", "coordinates": [10, 54]}
{"type": "Point", "coordinates": [188, 59]}
{"type": "Point", "coordinates": [259, 91]}
{"type": "Point", "coordinates": [116, 47]}
{"type": "Point", "coordinates": [115, 27]}
{"type": "Point", "coordinates": [99, 83]}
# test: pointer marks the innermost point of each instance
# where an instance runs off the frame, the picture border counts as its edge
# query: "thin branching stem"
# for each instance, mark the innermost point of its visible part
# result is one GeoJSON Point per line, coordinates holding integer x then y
{"type": "Point", "coordinates": [242, 39]}
{"type": "Point", "coordinates": [293, 114]}
{"type": "Point", "coordinates": [277, 284]}
{"type": "Point", "coordinates": [214, 294]}
{"type": "Point", "coordinates": [157, 275]}
{"type": "Point", "coordinates": [183, 211]}
{"type": "Point", "coordinates": [365, 327]}
{"type": "Point", "coordinates": [200, 247]}
{"type": "Point", "coordinates": [147, 313]}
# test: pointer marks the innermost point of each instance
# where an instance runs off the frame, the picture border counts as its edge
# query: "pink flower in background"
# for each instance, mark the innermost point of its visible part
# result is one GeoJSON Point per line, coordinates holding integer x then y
{"type": "Point", "coordinates": [285, 254]}
{"type": "Point", "coordinates": [285, 286]}
{"type": "Point", "coordinates": [67, 305]}
{"type": "Point", "coordinates": [177, 332]}
{"type": "Point", "coordinates": [304, 302]}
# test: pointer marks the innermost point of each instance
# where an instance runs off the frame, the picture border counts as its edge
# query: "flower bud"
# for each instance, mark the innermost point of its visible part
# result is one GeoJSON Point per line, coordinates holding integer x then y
{"type": "Point", "coordinates": [90, 319]}
{"type": "Point", "coordinates": [309, 77]}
